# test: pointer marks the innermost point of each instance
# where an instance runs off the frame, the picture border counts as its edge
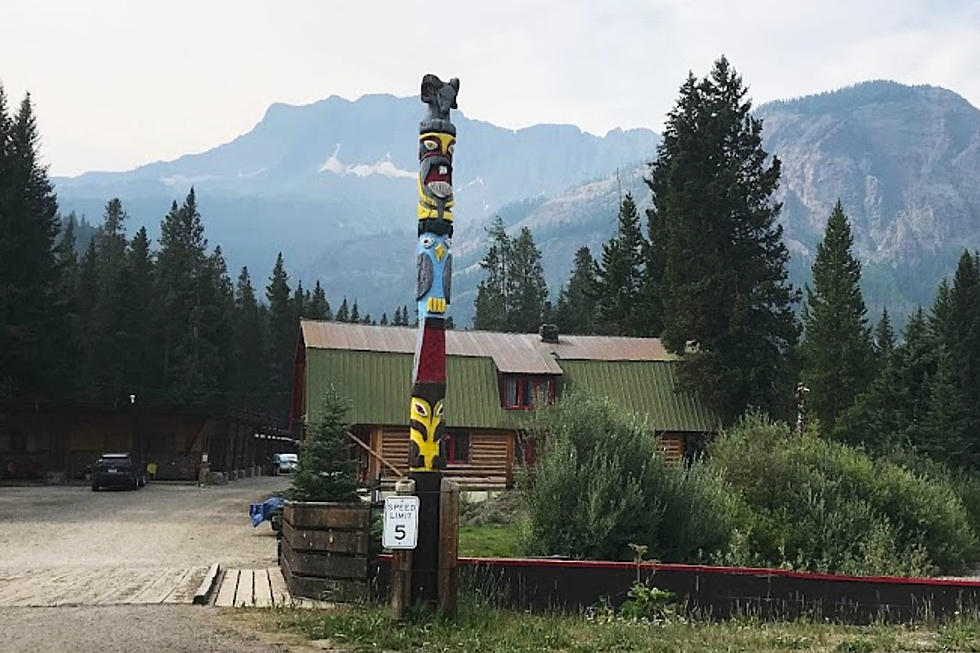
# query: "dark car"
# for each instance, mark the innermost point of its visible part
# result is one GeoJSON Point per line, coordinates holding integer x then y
{"type": "Point", "coordinates": [118, 470]}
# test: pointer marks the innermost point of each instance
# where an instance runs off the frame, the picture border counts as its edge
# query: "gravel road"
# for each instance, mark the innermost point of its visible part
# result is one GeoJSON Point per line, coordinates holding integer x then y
{"type": "Point", "coordinates": [162, 525]}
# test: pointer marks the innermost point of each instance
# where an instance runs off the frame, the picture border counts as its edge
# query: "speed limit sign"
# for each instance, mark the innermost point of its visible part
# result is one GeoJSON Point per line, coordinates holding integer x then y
{"type": "Point", "coordinates": [401, 529]}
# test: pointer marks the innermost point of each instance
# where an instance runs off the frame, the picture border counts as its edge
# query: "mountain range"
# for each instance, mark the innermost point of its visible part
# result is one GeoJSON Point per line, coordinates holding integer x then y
{"type": "Point", "coordinates": [332, 186]}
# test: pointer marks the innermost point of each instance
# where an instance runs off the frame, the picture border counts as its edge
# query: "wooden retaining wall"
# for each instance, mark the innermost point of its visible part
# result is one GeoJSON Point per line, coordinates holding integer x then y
{"type": "Point", "coordinates": [324, 550]}
{"type": "Point", "coordinates": [715, 592]}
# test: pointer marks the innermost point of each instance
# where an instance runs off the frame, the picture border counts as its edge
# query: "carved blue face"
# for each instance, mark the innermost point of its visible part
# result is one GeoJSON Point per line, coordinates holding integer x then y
{"type": "Point", "coordinates": [434, 267]}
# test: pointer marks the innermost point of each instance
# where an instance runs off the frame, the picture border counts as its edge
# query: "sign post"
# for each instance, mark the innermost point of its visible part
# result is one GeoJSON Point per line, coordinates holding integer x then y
{"type": "Point", "coordinates": [401, 557]}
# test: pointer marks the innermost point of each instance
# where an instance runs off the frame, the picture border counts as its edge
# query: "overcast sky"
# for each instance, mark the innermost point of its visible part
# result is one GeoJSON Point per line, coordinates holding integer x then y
{"type": "Point", "coordinates": [121, 83]}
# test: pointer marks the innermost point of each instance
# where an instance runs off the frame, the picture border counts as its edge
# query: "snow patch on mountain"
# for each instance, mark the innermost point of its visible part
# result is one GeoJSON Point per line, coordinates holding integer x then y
{"type": "Point", "coordinates": [383, 167]}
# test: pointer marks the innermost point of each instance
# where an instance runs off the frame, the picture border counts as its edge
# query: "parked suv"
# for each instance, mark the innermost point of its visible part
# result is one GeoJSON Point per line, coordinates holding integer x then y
{"type": "Point", "coordinates": [284, 463]}
{"type": "Point", "coordinates": [118, 470]}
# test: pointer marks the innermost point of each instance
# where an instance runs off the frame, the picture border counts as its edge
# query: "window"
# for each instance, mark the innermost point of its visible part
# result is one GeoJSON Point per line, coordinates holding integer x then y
{"type": "Point", "coordinates": [521, 392]}
{"type": "Point", "coordinates": [457, 447]}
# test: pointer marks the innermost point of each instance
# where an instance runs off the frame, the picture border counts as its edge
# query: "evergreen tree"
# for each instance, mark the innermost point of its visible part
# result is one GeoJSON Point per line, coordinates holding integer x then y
{"type": "Point", "coordinates": [619, 275]}
{"type": "Point", "coordinates": [327, 470]}
{"type": "Point", "coordinates": [384, 319]}
{"type": "Point", "coordinates": [575, 311]}
{"type": "Point", "coordinates": [282, 335]}
{"type": "Point", "coordinates": [838, 357]}
{"type": "Point", "coordinates": [491, 295]}
{"type": "Point", "coordinates": [249, 338]}
{"type": "Point", "coordinates": [884, 340]}
{"type": "Point", "coordinates": [319, 306]}
{"type": "Point", "coordinates": [182, 268]}
{"type": "Point", "coordinates": [110, 349]}
{"type": "Point", "coordinates": [141, 368]}
{"type": "Point", "coordinates": [526, 288]}
{"type": "Point", "coordinates": [722, 281]}
{"type": "Point", "coordinates": [343, 313]}
{"type": "Point", "coordinates": [355, 315]}
{"type": "Point", "coordinates": [962, 338]}
{"type": "Point", "coordinates": [941, 431]}
{"type": "Point", "coordinates": [405, 315]}
{"type": "Point", "coordinates": [300, 303]}
{"type": "Point", "coordinates": [86, 335]}
{"type": "Point", "coordinates": [33, 336]}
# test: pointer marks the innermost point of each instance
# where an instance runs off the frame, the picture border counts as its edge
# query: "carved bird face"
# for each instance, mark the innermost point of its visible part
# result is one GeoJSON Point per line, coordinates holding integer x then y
{"type": "Point", "coordinates": [426, 431]}
{"type": "Point", "coordinates": [435, 172]}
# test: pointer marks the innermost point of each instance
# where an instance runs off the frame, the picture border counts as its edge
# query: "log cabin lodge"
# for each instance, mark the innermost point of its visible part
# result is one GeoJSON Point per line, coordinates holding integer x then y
{"type": "Point", "coordinates": [493, 382]}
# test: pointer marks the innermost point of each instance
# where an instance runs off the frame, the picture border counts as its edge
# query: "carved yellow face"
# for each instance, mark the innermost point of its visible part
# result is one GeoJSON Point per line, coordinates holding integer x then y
{"type": "Point", "coordinates": [435, 180]}
{"type": "Point", "coordinates": [425, 432]}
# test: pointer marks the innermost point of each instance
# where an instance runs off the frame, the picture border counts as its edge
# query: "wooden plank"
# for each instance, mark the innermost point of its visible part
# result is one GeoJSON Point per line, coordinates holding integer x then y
{"type": "Point", "coordinates": [262, 589]}
{"type": "Point", "coordinates": [324, 565]}
{"type": "Point", "coordinates": [243, 596]}
{"type": "Point", "coordinates": [161, 588]}
{"type": "Point", "coordinates": [186, 586]}
{"type": "Point", "coordinates": [280, 594]}
{"type": "Point", "coordinates": [327, 515]}
{"type": "Point", "coordinates": [42, 581]}
{"type": "Point", "coordinates": [128, 587]}
{"type": "Point", "coordinates": [86, 586]}
{"type": "Point", "coordinates": [328, 540]}
{"type": "Point", "coordinates": [229, 585]}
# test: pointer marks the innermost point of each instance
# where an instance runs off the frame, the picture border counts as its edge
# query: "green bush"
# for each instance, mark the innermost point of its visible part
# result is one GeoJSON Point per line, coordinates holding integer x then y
{"type": "Point", "coordinates": [818, 505]}
{"type": "Point", "coordinates": [600, 485]}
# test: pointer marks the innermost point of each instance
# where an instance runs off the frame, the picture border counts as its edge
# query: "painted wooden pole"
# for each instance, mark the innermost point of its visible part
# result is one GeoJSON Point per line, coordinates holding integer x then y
{"type": "Point", "coordinates": [426, 456]}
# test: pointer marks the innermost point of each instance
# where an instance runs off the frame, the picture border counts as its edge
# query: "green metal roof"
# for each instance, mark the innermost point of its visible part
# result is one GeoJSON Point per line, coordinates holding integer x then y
{"type": "Point", "coordinates": [644, 388]}
{"type": "Point", "coordinates": [378, 385]}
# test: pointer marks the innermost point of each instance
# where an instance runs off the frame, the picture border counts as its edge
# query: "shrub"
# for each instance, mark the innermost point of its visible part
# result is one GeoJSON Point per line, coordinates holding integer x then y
{"type": "Point", "coordinates": [600, 485]}
{"type": "Point", "coordinates": [327, 471]}
{"type": "Point", "coordinates": [824, 506]}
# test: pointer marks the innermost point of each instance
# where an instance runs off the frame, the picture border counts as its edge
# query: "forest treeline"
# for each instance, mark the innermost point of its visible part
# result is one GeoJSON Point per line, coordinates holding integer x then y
{"type": "Point", "coordinates": [90, 313]}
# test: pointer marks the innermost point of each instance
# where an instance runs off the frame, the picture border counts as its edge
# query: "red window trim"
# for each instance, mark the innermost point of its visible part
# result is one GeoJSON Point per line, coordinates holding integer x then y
{"type": "Point", "coordinates": [451, 453]}
{"type": "Point", "coordinates": [522, 380]}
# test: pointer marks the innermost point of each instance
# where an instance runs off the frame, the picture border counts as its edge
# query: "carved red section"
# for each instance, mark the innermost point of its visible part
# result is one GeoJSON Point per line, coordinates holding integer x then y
{"type": "Point", "coordinates": [430, 359]}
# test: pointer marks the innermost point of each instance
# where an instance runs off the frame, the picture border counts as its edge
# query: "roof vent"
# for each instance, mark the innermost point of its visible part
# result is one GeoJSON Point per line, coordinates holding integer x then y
{"type": "Point", "coordinates": [548, 333]}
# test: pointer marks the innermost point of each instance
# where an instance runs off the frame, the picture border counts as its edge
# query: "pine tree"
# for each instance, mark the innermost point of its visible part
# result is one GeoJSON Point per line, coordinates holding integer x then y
{"type": "Point", "coordinates": [526, 288]}
{"type": "Point", "coordinates": [110, 350]}
{"type": "Point", "coordinates": [838, 357]}
{"type": "Point", "coordinates": [249, 338]}
{"type": "Point", "coordinates": [141, 367]}
{"type": "Point", "coordinates": [384, 319]}
{"type": "Point", "coordinates": [575, 311]}
{"type": "Point", "coordinates": [405, 316]}
{"type": "Point", "coordinates": [32, 334]}
{"type": "Point", "coordinates": [355, 315]}
{"type": "Point", "coordinates": [319, 307]}
{"type": "Point", "coordinates": [619, 275]}
{"type": "Point", "coordinates": [300, 305]}
{"type": "Point", "coordinates": [884, 340]}
{"type": "Point", "coordinates": [282, 335]}
{"type": "Point", "coordinates": [343, 313]}
{"type": "Point", "coordinates": [182, 268]}
{"type": "Point", "coordinates": [86, 335]}
{"type": "Point", "coordinates": [327, 471]}
{"type": "Point", "coordinates": [962, 338]}
{"type": "Point", "coordinates": [941, 430]}
{"type": "Point", "coordinates": [723, 281]}
{"type": "Point", "coordinates": [491, 301]}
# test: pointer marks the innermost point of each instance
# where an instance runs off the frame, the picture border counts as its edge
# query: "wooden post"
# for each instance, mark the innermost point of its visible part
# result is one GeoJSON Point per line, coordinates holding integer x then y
{"type": "Point", "coordinates": [401, 565]}
{"type": "Point", "coordinates": [448, 546]}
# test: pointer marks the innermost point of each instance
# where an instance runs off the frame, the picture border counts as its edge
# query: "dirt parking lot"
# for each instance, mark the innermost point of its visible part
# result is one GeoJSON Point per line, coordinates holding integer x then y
{"type": "Point", "coordinates": [161, 525]}
{"type": "Point", "coordinates": [63, 543]}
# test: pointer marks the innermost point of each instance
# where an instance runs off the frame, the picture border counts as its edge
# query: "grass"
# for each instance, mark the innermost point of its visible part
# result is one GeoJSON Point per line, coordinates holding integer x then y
{"type": "Point", "coordinates": [484, 629]}
{"type": "Point", "coordinates": [489, 541]}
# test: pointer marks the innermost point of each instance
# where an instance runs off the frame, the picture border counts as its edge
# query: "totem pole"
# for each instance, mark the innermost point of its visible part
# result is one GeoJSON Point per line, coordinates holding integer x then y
{"type": "Point", "coordinates": [437, 138]}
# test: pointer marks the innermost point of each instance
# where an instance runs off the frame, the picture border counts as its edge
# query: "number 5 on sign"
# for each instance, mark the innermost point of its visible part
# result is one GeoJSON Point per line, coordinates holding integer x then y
{"type": "Point", "coordinates": [401, 529]}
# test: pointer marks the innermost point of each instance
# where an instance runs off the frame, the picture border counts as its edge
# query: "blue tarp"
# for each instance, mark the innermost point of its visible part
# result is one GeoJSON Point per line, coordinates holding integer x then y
{"type": "Point", "coordinates": [259, 512]}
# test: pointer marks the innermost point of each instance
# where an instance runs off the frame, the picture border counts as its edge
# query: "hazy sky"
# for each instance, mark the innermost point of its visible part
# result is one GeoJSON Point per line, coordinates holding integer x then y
{"type": "Point", "coordinates": [120, 83]}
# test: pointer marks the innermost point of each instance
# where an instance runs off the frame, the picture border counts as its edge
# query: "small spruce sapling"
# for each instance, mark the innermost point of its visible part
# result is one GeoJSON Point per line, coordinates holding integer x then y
{"type": "Point", "coordinates": [327, 471]}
